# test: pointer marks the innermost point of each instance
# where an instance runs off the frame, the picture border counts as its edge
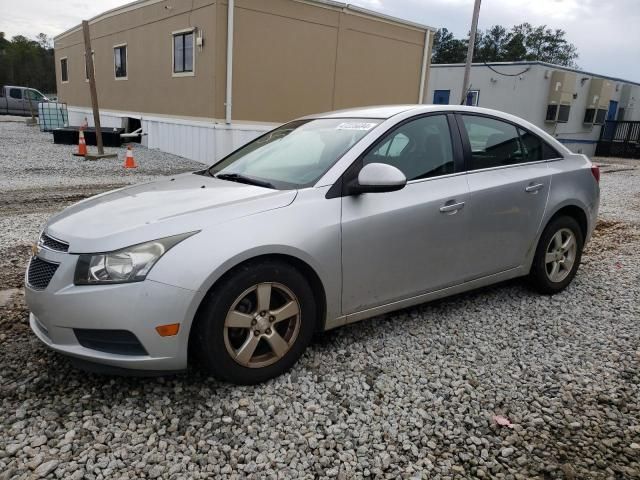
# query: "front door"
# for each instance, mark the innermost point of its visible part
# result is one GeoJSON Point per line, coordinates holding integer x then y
{"type": "Point", "coordinates": [400, 244]}
{"type": "Point", "coordinates": [509, 185]}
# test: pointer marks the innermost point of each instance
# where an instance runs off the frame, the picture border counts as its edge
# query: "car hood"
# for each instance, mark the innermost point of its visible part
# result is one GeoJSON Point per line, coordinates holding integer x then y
{"type": "Point", "coordinates": [148, 211]}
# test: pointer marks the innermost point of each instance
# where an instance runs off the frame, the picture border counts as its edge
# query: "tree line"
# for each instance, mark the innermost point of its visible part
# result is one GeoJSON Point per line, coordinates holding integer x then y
{"type": "Point", "coordinates": [497, 44]}
{"type": "Point", "coordinates": [28, 63]}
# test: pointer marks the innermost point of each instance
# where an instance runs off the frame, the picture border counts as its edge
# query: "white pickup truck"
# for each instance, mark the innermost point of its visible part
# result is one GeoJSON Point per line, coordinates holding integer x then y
{"type": "Point", "coordinates": [20, 100]}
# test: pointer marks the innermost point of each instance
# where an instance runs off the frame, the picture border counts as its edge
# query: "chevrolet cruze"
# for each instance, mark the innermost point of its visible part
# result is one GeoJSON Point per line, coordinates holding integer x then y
{"type": "Point", "coordinates": [324, 221]}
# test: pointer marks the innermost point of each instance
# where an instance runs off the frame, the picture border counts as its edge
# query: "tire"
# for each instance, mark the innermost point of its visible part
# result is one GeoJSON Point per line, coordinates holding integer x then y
{"type": "Point", "coordinates": [544, 276]}
{"type": "Point", "coordinates": [233, 315]}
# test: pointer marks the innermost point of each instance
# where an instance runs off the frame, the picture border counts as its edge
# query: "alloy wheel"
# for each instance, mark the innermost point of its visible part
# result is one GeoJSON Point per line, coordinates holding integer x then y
{"type": "Point", "coordinates": [560, 255]}
{"type": "Point", "coordinates": [262, 325]}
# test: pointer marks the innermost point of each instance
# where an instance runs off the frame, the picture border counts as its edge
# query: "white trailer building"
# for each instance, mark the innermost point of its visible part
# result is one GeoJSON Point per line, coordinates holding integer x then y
{"type": "Point", "coordinates": [572, 105]}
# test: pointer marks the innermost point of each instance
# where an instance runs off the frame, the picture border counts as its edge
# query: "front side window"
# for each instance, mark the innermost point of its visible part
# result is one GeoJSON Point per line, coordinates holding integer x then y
{"type": "Point", "coordinates": [294, 155]}
{"type": "Point", "coordinates": [64, 72]}
{"type": "Point", "coordinates": [493, 143]}
{"type": "Point", "coordinates": [15, 93]}
{"type": "Point", "coordinates": [120, 61]}
{"type": "Point", "coordinates": [34, 95]}
{"type": "Point", "coordinates": [183, 52]}
{"type": "Point", "coordinates": [420, 148]}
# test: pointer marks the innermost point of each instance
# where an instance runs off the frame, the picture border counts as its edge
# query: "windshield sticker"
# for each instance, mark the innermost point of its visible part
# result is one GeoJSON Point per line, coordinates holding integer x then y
{"type": "Point", "coordinates": [356, 126]}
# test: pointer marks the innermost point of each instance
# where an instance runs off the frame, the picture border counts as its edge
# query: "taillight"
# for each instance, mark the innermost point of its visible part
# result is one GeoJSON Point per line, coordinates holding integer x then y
{"type": "Point", "coordinates": [595, 171]}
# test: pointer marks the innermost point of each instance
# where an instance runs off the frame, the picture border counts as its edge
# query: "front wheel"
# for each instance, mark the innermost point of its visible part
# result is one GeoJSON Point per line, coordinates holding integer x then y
{"type": "Point", "coordinates": [256, 323]}
{"type": "Point", "coordinates": [557, 256]}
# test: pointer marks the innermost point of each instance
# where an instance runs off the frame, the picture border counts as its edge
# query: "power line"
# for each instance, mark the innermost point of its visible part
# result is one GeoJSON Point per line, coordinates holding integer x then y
{"type": "Point", "coordinates": [506, 74]}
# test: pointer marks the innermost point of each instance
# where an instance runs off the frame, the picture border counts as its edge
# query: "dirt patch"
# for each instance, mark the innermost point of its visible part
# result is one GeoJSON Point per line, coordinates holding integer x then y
{"type": "Point", "coordinates": [617, 170]}
{"type": "Point", "coordinates": [26, 201]}
{"type": "Point", "coordinates": [13, 265]}
{"type": "Point", "coordinates": [609, 235]}
{"type": "Point", "coordinates": [14, 316]}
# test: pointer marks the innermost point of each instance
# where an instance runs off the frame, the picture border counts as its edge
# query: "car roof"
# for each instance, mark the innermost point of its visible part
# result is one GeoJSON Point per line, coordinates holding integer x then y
{"type": "Point", "coordinates": [388, 111]}
{"type": "Point", "coordinates": [385, 112]}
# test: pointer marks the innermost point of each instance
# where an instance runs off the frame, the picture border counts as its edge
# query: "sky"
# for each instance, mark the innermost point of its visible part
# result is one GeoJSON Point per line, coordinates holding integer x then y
{"type": "Point", "coordinates": [606, 33]}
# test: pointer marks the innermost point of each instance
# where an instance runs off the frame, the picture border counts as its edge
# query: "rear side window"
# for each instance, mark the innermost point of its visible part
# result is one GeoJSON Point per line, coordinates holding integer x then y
{"type": "Point", "coordinates": [493, 143]}
{"type": "Point", "coordinates": [15, 93]}
{"type": "Point", "coordinates": [534, 148]}
{"type": "Point", "coordinates": [420, 148]}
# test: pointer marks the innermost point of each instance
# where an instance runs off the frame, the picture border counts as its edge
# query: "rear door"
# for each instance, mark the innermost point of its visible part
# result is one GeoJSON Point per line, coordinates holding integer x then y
{"type": "Point", "coordinates": [509, 184]}
{"type": "Point", "coordinates": [400, 244]}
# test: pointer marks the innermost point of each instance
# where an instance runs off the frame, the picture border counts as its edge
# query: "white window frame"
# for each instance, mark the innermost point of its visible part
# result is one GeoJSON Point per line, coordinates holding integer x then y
{"type": "Point", "coordinates": [61, 59]}
{"type": "Point", "coordinates": [126, 61]}
{"type": "Point", "coordinates": [193, 39]}
{"type": "Point", "coordinates": [475, 95]}
{"type": "Point", "coordinates": [84, 60]}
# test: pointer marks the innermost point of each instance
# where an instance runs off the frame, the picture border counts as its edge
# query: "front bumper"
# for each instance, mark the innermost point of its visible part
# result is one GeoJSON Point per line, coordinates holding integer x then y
{"type": "Point", "coordinates": [136, 307]}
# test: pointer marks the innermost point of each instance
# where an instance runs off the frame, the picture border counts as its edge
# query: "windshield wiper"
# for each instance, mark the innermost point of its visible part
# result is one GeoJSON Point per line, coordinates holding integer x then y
{"type": "Point", "coordinates": [236, 177]}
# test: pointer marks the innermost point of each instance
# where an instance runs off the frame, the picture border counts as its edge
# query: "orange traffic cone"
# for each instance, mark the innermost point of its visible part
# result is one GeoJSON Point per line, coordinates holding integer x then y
{"type": "Point", "coordinates": [82, 145]}
{"type": "Point", "coordinates": [129, 161]}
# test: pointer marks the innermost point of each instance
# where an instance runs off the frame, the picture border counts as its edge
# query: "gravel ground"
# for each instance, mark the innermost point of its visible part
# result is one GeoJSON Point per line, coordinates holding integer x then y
{"type": "Point", "coordinates": [408, 395]}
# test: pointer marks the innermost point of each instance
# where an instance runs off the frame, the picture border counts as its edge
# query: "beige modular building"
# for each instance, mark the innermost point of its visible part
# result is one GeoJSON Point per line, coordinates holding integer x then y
{"type": "Point", "coordinates": [201, 78]}
{"type": "Point", "coordinates": [571, 105]}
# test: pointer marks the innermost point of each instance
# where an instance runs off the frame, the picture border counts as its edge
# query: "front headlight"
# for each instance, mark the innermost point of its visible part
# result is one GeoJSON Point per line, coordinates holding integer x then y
{"type": "Point", "coordinates": [131, 264]}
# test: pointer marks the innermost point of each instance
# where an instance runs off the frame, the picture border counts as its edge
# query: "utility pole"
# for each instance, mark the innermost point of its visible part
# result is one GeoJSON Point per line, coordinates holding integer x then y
{"type": "Point", "coordinates": [94, 93]}
{"type": "Point", "coordinates": [472, 43]}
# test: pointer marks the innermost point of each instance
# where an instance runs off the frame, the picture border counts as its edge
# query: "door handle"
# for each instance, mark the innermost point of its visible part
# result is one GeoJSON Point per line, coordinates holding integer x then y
{"type": "Point", "coordinates": [534, 188]}
{"type": "Point", "coordinates": [451, 208]}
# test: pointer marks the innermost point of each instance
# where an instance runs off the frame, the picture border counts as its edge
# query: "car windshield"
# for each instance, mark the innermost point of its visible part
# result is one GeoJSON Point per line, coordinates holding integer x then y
{"type": "Point", "coordinates": [294, 155]}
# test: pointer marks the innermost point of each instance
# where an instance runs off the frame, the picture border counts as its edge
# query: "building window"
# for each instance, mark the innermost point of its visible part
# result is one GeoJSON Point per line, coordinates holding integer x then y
{"type": "Point", "coordinates": [441, 97]}
{"type": "Point", "coordinates": [64, 72]}
{"type": "Point", "coordinates": [86, 70]}
{"type": "Point", "coordinates": [473, 96]}
{"type": "Point", "coordinates": [552, 113]}
{"type": "Point", "coordinates": [183, 58]}
{"type": "Point", "coordinates": [563, 113]}
{"type": "Point", "coordinates": [120, 61]}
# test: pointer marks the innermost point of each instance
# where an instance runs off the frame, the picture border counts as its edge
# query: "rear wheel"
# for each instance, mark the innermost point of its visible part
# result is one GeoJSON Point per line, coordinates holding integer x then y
{"type": "Point", "coordinates": [256, 323]}
{"type": "Point", "coordinates": [557, 256]}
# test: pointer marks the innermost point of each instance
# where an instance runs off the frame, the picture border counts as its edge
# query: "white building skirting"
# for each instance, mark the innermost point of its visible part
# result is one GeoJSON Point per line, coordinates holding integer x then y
{"type": "Point", "coordinates": [200, 140]}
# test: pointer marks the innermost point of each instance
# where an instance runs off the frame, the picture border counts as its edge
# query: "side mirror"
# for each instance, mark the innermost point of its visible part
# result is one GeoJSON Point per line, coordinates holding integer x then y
{"type": "Point", "coordinates": [377, 178]}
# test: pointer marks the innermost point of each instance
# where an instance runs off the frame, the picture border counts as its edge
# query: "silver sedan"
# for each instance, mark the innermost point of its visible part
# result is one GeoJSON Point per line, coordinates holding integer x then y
{"type": "Point", "coordinates": [324, 221]}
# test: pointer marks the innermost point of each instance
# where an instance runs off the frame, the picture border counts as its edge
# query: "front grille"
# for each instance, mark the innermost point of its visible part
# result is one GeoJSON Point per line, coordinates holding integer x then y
{"type": "Point", "coordinates": [53, 244]}
{"type": "Point", "coordinates": [40, 273]}
{"type": "Point", "coordinates": [121, 342]}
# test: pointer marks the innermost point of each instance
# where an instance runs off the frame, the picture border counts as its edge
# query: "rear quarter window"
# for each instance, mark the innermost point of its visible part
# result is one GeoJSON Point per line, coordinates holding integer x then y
{"type": "Point", "coordinates": [536, 149]}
